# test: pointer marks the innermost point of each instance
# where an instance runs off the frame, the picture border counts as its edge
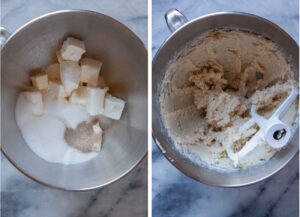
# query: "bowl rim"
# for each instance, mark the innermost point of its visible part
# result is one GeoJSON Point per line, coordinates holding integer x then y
{"type": "Point", "coordinates": [155, 138]}
{"type": "Point", "coordinates": [145, 50]}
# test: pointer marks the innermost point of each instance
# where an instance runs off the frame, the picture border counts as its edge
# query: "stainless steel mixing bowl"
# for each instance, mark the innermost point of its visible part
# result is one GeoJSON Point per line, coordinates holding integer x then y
{"type": "Point", "coordinates": [185, 32]}
{"type": "Point", "coordinates": [124, 60]}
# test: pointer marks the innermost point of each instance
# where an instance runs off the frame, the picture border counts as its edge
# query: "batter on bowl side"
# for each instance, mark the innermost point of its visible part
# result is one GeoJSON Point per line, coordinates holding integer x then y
{"type": "Point", "coordinates": [207, 92]}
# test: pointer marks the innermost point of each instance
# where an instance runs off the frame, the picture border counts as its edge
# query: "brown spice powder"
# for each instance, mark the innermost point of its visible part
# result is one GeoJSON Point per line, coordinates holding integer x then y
{"type": "Point", "coordinates": [83, 137]}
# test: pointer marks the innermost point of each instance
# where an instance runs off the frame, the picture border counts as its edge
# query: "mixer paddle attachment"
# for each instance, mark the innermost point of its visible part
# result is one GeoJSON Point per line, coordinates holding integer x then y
{"type": "Point", "coordinates": [273, 131]}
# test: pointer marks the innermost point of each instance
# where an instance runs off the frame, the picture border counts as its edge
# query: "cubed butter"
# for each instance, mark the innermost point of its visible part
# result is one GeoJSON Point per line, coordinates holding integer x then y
{"type": "Point", "coordinates": [53, 72]}
{"type": "Point", "coordinates": [35, 97]}
{"type": "Point", "coordinates": [69, 74]}
{"type": "Point", "coordinates": [61, 92]}
{"type": "Point", "coordinates": [101, 83]}
{"type": "Point", "coordinates": [72, 49]}
{"type": "Point", "coordinates": [98, 133]}
{"type": "Point", "coordinates": [95, 100]}
{"type": "Point", "coordinates": [40, 82]}
{"type": "Point", "coordinates": [79, 96]}
{"type": "Point", "coordinates": [55, 90]}
{"type": "Point", "coordinates": [113, 107]}
{"type": "Point", "coordinates": [96, 146]}
{"type": "Point", "coordinates": [97, 129]}
{"type": "Point", "coordinates": [90, 70]}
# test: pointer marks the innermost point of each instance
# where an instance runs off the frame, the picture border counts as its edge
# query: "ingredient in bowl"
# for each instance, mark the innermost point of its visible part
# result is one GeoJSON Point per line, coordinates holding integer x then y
{"type": "Point", "coordinates": [272, 131]}
{"type": "Point", "coordinates": [72, 49]}
{"type": "Point", "coordinates": [90, 71]}
{"type": "Point", "coordinates": [40, 82]}
{"type": "Point", "coordinates": [207, 93]}
{"type": "Point", "coordinates": [95, 100]}
{"type": "Point", "coordinates": [57, 115]}
{"type": "Point", "coordinates": [87, 137]}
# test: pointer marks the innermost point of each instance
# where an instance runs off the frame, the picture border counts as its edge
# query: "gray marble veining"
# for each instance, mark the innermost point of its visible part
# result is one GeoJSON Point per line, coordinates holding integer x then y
{"type": "Point", "coordinates": [22, 197]}
{"type": "Point", "coordinates": [173, 193]}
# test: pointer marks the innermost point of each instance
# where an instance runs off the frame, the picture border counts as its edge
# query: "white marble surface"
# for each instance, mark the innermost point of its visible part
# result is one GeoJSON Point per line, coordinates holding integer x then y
{"type": "Point", "coordinates": [22, 197]}
{"type": "Point", "coordinates": [175, 194]}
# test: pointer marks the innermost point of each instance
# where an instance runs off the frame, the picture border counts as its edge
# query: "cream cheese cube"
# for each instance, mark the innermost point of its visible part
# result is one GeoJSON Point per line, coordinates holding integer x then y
{"type": "Point", "coordinates": [72, 49]}
{"type": "Point", "coordinates": [79, 96]}
{"type": "Point", "coordinates": [95, 100]}
{"type": "Point", "coordinates": [40, 82]}
{"type": "Point", "coordinates": [53, 72]}
{"type": "Point", "coordinates": [113, 107]}
{"type": "Point", "coordinates": [90, 70]}
{"type": "Point", "coordinates": [69, 75]}
{"type": "Point", "coordinates": [35, 97]}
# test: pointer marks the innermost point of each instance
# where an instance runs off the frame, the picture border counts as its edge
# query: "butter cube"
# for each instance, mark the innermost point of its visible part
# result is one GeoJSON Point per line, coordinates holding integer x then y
{"type": "Point", "coordinates": [79, 96]}
{"type": "Point", "coordinates": [55, 90]}
{"type": "Point", "coordinates": [61, 92]}
{"type": "Point", "coordinates": [97, 129]}
{"type": "Point", "coordinates": [53, 72]}
{"type": "Point", "coordinates": [98, 133]}
{"type": "Point", "coordinates": [72, 49]}
{"type": "Point", "coordinates": [101, 83]}
{"type": "Point", "coordinates": [95, 100]}
{"type": "Point", "coordinates": [69, 75]}
{"type": "Point", "coordinates": [90, 71]}
{"type": "Point", "coordinates": [40, 82]}
{"type": "Point", "coordinates": [35, 97]}
{"type": "Point", "coordinates": [96, 146]}
{"type": "Point", "coordinates": [113, 107]}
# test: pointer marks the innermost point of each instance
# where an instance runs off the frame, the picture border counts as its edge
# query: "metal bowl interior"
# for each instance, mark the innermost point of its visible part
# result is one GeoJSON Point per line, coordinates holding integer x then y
{"type": "Point", "coordinates": [178, 40]}
{"type": "Point", "coordinates": [124, 68]}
